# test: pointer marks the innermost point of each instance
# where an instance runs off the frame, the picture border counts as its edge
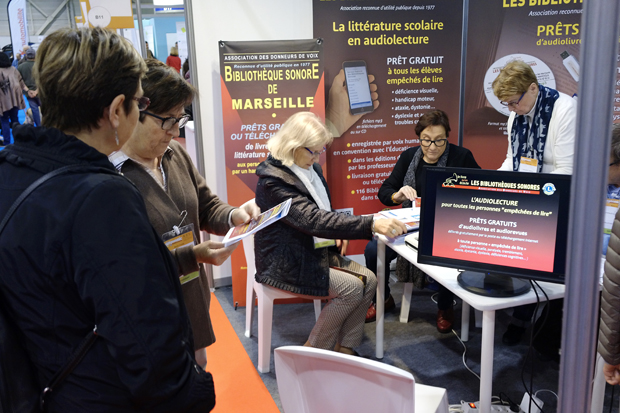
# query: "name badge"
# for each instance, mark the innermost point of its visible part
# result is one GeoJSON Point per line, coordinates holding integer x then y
{"type": "Point", "coordinates": [611, 207]}
{"type": "Point", "coordinates": [181, 237]}
{"type": "Point", "coordinates": [323, 242]}
{"type": "Point", "coordinates": [528, 164]}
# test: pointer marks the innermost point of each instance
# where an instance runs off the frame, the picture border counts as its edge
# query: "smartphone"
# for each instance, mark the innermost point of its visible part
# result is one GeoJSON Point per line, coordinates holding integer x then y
{"type": "Point", "coordinates": [358, 88]}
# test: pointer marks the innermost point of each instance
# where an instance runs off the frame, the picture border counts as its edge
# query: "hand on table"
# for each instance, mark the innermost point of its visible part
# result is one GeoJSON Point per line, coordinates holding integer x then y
{"type": "Point", "coordinates": [404, 193]}
{"type": "Point", "coordinates": [390, 227]}
{"type": "Point", "coordinates": [245, 213]}
{"type": "Point", "coordinates": [212, 252]}
{"type": "Point", "coordinates": [342, 245]}
{"type": "Point", "coordinates": [337, 110]}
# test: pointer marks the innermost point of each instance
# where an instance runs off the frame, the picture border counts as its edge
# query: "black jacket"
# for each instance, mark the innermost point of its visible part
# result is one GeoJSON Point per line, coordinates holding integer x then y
{"type": "Point", "coordinates": [80, 251]}
{"type": "Point", "coordinates": [285, 253]}
{"type": "Point", "coordinates": [458, 157]}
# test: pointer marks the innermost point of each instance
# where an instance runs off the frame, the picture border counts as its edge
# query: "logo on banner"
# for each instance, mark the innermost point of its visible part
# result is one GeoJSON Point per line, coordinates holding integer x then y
{"type": "Point", "coordinates": [455, 180]}
{"type": "Point", "coordinates": [548, 189]}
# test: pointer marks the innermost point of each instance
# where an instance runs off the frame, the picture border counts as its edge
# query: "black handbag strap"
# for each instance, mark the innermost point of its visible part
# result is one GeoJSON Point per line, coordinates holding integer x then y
{"type": "Point", "coordinates": [69, 366]}
{"type": "Point", "coordinates": [35, 185]}
{"type": "Point", "coordinates": [90, 339]}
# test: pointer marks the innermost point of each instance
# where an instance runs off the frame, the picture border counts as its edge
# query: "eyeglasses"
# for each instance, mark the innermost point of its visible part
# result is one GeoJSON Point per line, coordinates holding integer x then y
{"type": "Point", "coordinates": [438, 143]}
{"type": "Point", "coordinates": [143, 102]}
{"type": "Point", "coordinates": [169, 122]}
{"type": "Point", "coordinates": [319, 153]}
{"type": "Point", "coordinates": [513, 103]}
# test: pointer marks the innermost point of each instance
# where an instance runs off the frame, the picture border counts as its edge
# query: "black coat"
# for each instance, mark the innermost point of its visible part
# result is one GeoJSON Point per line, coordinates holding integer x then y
{"type": "Point", "coordinates": [285, 253]}
{"type": "Point", "coordinates": [80, 251]}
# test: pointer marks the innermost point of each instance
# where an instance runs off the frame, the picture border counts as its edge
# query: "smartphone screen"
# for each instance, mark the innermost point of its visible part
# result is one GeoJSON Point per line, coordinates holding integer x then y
{"type": "Point", "coordinates": [358, 88]}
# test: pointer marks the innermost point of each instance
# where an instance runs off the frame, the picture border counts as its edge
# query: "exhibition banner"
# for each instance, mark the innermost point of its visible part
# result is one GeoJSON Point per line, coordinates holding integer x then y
{"type": "Point", "coordinates": [412, 50]}
{"type": "Point", "coordinates": [263, 83]}
{"type": "Point", "coordinates": [544, 34]}
{"type": "Point", "coordinates": [18, 26]}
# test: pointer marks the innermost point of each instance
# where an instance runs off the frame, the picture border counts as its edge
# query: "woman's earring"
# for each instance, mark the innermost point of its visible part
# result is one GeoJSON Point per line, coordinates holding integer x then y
{"type": "Point", "coordinates": [116, 137]}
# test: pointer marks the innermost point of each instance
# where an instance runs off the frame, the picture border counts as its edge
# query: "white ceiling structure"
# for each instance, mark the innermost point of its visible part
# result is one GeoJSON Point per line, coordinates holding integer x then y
{"type": "Point", "coordinates": [45, 16]}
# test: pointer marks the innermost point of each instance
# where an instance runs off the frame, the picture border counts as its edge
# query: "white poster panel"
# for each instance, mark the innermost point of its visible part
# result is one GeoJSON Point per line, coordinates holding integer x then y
{"type": "Point", "coordinates": [18, 26]}
{"type": "Point", "coordinates": [182, 40]}
{"type": "Point", "coordinates": [171, 41]}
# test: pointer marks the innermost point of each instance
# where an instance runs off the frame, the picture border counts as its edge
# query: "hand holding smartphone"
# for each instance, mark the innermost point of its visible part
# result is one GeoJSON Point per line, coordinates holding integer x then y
{"type": "Point", "coordinates": [358, 87]}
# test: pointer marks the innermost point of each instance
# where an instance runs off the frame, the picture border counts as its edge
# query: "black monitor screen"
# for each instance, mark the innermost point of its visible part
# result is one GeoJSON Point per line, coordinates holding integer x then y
{"type": "Point", "coordinates": [501, 222]}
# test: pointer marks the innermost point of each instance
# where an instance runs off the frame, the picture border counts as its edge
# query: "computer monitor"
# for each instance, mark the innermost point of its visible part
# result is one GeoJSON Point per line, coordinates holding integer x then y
{"type": "Point", "coordinates": [504, 228]}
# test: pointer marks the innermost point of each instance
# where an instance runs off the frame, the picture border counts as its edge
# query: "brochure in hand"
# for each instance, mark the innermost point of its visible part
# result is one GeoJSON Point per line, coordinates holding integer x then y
{"type": "Point", "coordinates": [265, 219]}
{"type": "Point", "coordinates": [409, 216]}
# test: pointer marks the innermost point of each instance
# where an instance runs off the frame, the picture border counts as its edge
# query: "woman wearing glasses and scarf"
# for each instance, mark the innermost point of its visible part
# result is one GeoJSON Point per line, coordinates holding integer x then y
{"type": "Point", "coordinates": [177, 198]}
{"type": "Point", "coordinates": [541, 126]}
{"type": "Point", "coordinates": [541, 138]}
{"type": "Point", "coordinates": [303, 252]}
{"type": "Point", "coordinates": [403, 186]}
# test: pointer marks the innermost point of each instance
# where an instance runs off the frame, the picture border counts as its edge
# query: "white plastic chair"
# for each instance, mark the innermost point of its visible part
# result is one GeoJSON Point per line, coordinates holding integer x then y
{"type": "Point", "coordinates": [314, 380]}
{"type": "Point", "coordinates": [266, 295]}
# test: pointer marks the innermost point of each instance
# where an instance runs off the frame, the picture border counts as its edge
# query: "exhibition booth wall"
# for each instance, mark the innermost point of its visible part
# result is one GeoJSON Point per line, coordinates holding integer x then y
{"type": "Point", "coordinates": [234, 20]}
{"type": "Point", "coordinates": [477, 120]}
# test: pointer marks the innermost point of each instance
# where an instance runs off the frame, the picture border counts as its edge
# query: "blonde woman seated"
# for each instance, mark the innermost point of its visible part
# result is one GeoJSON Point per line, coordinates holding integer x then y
{"type": "Point", "coordinates": [289, 253]}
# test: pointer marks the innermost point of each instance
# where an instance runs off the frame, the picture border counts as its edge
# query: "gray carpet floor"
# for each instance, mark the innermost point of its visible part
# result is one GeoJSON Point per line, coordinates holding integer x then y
{"type": "Point", "coordinates": [433, 358]}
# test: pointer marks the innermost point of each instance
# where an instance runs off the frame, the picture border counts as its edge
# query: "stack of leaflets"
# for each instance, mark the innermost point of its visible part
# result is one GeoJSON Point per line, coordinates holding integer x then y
{"type": "Point", "coordinates": [265, 219]}
{"type": "Point", "coordinates": [409, 216]}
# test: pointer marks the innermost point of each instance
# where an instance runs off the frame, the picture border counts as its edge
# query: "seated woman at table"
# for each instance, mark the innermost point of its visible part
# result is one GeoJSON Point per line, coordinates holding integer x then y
{"type": "Point", "coordinates": [402, 187]}
{"type": "Point", "coordinates": [290, 254]}
{"type": "Point", "coordinates": [175, 193]}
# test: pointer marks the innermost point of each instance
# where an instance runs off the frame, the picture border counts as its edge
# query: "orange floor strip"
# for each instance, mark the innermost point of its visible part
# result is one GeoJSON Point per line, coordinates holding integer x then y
{"type": "Point", "coordinates": [238, 386]}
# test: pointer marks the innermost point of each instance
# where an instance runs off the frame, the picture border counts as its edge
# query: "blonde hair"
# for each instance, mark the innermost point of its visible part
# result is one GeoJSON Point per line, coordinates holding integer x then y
{"type": "Point", "coordinates": [79, 72]}
{"type": "Point", "coordinates": [174, 51]}
{"type": "Point", "coordinates": [301, 130]}
{"type": "Point", "coordinates": [514, 79]}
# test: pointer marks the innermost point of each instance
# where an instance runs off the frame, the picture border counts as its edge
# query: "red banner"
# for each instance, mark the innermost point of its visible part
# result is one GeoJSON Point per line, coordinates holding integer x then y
{"type": "Point", "coordinates": [413, 51]}
{"type": "Point", "coordinates": [263, 83]}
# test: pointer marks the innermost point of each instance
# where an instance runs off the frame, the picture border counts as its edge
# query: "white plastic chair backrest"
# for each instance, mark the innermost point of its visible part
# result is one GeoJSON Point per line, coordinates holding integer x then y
{"type": "Point", "coordinates": [314, 380]}
{"type": "Point", "coordinates": [248, 249]}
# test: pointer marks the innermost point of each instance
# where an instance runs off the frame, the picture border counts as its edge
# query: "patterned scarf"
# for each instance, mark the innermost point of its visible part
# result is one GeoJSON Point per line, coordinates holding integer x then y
{"type": "Point", "coordinates": [413, 166]}
{"type": "Point", "coordinates": [531, 142]}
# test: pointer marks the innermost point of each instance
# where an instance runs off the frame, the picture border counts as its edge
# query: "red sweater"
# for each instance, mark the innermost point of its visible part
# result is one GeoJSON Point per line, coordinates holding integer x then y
{"type": "Point", "coordinates": [174, 62]}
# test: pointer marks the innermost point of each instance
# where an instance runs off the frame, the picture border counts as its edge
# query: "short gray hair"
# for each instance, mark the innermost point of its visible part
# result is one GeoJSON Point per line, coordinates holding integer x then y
{"type": "Point", "coordinates": [79, 72]}
{"type": "Point", "coordinates": [301, 130]}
